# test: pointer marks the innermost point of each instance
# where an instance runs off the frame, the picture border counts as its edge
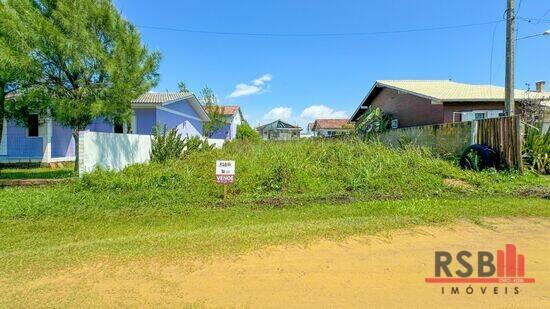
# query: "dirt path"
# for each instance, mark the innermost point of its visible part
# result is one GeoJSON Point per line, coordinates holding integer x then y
{"type": "Point", "coordinates": [364, 271]}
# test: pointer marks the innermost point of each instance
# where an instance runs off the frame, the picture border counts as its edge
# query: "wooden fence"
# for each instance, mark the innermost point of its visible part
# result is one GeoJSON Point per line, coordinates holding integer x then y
{"type": "Point", "coordinates": [504, 135]}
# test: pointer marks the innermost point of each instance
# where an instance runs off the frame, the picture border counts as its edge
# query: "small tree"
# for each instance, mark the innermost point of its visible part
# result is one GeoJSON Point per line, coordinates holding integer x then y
{"type": "Point", "coordinates": [91, 61]}
{"type": "Point", "coordinates": [183, 87]}
{"type": "Point", "coordinates": [246, 133]}
{"type": "Point", "coordinates": [372, 121]}
{"type": "Point", "coordinates": [214, 111]}
{"type": "Point", "coordinates": [532, 110]}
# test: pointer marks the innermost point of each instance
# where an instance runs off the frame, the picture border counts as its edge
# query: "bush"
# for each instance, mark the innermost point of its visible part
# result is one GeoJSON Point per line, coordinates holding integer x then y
{"type": "Point", "coordinates": [536, 151]}
{"type": "Point", "coordinates": [246, 133]}
{"type": "Point", "coordinates": [196, 144]}
{"type": "Point", "coordinates": [166, 144]}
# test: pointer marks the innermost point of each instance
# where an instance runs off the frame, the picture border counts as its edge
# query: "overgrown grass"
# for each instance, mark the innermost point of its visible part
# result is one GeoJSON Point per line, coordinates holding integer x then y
{"type": "Point", "coordinates": [284, 193]}
{"type": "Point", "coordinates": [269, 173]}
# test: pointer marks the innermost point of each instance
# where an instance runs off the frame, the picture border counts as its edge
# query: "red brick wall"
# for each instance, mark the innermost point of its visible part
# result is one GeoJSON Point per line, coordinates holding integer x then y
{"type": "Point", "coordinates": [409, 110]}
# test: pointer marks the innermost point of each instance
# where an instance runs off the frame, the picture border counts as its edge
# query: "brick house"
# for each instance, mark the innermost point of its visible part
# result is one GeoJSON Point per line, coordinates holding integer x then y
{"type": "Point", "coordinates": [416, 102]}
{"type": "Point", "coordinates": [331, 127]}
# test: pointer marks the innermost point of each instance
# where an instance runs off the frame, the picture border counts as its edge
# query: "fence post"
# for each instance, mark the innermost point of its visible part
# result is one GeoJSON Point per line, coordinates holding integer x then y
{"type": "Point", "coordinates": [519, 143]}
{"type": "Point", "coordinates": [474, 129]}
{"type": "Point", "coordinates": [81, 152]}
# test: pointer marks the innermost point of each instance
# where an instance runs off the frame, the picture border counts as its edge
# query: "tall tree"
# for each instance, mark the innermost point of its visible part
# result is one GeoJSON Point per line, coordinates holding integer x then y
{"type": "Point", "coordinates": [16, 68]}
{"type": "Point", "coordinates": [91, 61]}
{"type": "Point", "coordinates": [214, 111]}
{"type": "Point", "coordinates": [183, 87]}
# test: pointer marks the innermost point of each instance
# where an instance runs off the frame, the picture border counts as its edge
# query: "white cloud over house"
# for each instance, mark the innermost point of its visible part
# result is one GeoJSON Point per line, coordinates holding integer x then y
{"type": "Point", "coordinates": [257, 86]}
{"type": "Point", "coordinates": [322, 112]}
{"type": "Point", "coordinates": [283, 113]}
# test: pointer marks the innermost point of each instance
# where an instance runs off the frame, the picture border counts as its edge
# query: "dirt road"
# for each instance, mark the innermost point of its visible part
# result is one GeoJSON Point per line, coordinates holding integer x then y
{"type": "Point", "coordinates": [383, 271]}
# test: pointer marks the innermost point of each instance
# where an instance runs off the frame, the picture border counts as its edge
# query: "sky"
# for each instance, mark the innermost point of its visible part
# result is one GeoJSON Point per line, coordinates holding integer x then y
{"type": "Point", "coordinates": [268, 56]}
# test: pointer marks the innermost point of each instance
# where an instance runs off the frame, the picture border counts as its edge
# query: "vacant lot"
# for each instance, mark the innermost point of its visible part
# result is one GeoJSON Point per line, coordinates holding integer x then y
{"type": "Point", "coordinates": [152, 232]}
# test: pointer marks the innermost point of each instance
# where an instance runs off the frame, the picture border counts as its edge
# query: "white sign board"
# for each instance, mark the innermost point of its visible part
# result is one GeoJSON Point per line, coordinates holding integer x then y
{"type": "Point", "coordinates": [225, 172]}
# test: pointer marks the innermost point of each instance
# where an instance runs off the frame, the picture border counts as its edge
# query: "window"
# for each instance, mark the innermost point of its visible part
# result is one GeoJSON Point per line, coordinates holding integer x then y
{"type": "Point", "coordinates": [479, 116]}
{"type": "Point", "coordinates": [331, 133]}
{"type": "Point", "coordinates": [119, 128]}
{"type": "Point", "coordinates": [32, 126]}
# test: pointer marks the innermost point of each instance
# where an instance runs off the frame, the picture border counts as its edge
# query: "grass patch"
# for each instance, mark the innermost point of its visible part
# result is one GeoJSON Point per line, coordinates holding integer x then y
{"type": "Point", "coordinates": [284, 193]}
{"type": "Point", "coordinates": [269, 173]}
{"type": "Point", "coordinates": [36, 173]}
{"type": "Point", "coordinates": [29, 247]}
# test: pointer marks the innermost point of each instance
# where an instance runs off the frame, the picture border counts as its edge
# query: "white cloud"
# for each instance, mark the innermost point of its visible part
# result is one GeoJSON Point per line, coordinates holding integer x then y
{"type": "Point", "coordinates": [262, 80]}
{"type": "Point", "coordinates": [283, 113]}
{"type": "Point", "coordinates": [322, 112]}
{"type": "Point", "coordinates": [257, 86]}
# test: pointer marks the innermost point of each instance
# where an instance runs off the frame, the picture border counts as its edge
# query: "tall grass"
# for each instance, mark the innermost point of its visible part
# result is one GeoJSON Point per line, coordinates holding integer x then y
{"type": "Point", "coordinates": [268, 174]}
{"type": "Point", "coordinates": [305, 168]}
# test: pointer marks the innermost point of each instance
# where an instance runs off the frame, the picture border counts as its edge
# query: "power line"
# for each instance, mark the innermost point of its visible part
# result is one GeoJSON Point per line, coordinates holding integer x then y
{"type": "Point", "coordinates": [302, 35]}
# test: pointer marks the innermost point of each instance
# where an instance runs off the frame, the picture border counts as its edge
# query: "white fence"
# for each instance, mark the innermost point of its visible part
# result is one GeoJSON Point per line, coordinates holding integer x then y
{"type": "Point", "coordinates": [111, 151]}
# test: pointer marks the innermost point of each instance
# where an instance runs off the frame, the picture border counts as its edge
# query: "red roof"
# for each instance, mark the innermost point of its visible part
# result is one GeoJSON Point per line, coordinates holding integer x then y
{"type": "Point", "coordinates": [226, 110]}
{"type": "Point", "coordinates": [330, 123]}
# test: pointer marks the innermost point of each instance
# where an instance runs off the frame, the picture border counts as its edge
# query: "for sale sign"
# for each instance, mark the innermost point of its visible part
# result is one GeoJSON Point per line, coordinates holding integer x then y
{"type": "Point", "coordinates": [225, 172]}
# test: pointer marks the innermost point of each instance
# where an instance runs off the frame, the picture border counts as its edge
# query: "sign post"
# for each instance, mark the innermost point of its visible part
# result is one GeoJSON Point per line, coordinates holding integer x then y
{"type": "Point", "coordinates": [225, 174]}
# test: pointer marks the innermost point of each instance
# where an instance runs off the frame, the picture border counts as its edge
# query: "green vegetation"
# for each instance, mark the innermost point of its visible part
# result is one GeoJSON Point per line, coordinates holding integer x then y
{"type": "Point", "coordinates": [270, 173]}
{"type": "Point", "coordinates": [31, 247]}
{"type": "Point", "coordinates": [246, 133]}
{"type": "Point", "coordinates": [284, 193]}
{"type": "Point", "coordinates": [536, 151]}
{"type": "Point", "coordinates": [371, 122]}
{"type": "Point", "coordinates": [86, 61]}
{"type": "Point", "coordinates": [37, 173]}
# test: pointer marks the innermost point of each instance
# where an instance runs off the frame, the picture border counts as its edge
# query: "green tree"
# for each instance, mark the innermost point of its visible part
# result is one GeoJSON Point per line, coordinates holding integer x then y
{"type": "Point", "coordinates": [246, 133]}
{"type": "Point", "coordinates": [16, 67]}
{"type": "Point", "coordinates": [214, 111]}
{"type": "Point", "coordinates": [91, 61]}
{"type": "Point", "coordinates": [183, 87]}
{"type": "Point", "coordinates": [371, 122]}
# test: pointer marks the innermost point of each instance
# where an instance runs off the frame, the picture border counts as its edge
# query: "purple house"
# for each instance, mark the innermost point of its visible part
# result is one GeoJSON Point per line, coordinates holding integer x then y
{"type": "Point", "coordinates": [45, 141]}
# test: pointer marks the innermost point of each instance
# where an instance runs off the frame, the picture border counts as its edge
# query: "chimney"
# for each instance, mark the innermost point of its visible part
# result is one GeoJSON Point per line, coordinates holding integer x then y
{"type": "Point", "coordinates": [540, 86]}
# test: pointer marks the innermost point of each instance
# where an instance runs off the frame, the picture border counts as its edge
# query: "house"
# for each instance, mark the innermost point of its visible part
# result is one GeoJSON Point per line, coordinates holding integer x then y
{"type": "Point", "coordinates": [279, 130]}
{"type": "Point", "coordinates": [331, 127]}
{"type": "Point", "coordinates": [46, 141]}
{"type": "Point", "coordinates": [425, 102]}
{"type": "Point", "coordinates": [233, 117]}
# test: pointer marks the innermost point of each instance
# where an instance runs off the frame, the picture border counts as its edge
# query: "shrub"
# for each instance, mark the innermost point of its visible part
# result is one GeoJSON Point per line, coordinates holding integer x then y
{"type": "Point", "coordinates": [246, 133]}
{"type": "Point", "coordinates": [196, 144]}
{"type": "Point", "coordinates": [536, 150]}
{"type": "Point", "coordinates": [166, 144]}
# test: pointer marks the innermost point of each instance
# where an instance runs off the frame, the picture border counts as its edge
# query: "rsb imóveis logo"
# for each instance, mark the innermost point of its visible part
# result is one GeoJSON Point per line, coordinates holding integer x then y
{"type": "Point", "coordinates": [503, 267]}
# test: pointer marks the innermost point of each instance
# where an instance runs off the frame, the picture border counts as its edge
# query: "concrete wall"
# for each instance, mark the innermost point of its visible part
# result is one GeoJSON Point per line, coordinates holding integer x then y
{"type": "Point", "coordinates": [112, 151]}
{"type": "Point", "coordinates": [408, 109]}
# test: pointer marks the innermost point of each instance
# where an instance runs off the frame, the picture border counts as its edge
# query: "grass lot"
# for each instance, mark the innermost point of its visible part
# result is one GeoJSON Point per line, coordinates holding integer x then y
{"type": "Point", "coordinates": [285, 193]}
{"type": "Point", "coordinates": [37, 173]}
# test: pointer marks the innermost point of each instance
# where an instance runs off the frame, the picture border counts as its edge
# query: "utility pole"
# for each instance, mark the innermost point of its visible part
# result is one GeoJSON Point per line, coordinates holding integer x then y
{"type": "Point", "coordinates": [509, 103]}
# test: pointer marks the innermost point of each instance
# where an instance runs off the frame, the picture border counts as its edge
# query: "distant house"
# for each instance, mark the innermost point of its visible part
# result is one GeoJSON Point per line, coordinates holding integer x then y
{"type": "Point", "coordinates": [331, 127]}
{"type": "Point", "coordinates": [233, 118]}
{"type": "Point", "coordinates": [279, 130]}
{"type": "Point", "coordinates": [417, 102]}
{"type": "Point", "coordinates": [44, 140]}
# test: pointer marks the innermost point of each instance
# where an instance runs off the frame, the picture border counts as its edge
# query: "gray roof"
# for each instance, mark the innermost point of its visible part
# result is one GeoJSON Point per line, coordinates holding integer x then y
{"type": "Point", "coordinates": [279, 124]}
{"type": "Point", "coordinates": [161, 98]}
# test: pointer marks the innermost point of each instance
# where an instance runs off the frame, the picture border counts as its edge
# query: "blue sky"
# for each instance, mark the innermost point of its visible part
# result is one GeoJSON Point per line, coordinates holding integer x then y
{"type": "Point", "coordinates": [300, 78]}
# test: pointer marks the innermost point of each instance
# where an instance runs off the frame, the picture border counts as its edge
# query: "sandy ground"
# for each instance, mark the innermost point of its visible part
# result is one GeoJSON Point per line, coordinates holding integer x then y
{"type": "Point", "coordinates": [383, 271]}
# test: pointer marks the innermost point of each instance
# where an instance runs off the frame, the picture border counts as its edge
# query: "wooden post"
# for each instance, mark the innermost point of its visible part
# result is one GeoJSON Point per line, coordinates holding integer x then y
{"type": "Point", "coordinates": [225, 191]}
